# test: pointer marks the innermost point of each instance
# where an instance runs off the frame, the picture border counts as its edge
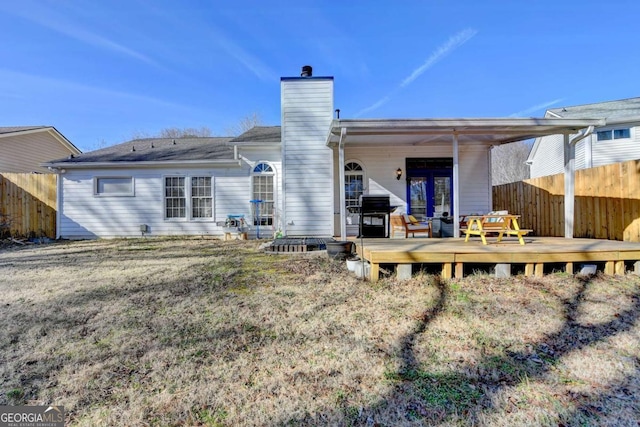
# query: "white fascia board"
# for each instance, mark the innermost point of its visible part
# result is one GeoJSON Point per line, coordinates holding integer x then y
{"type": "Point", "coordinates": [631, 121]}
{"type": "Point", "coordinates": [133, 165]}
{"type": "Point", "coordinates": [250, 144]}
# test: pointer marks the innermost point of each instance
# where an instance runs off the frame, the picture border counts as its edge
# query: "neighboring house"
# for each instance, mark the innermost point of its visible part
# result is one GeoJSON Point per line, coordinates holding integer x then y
{"type": "Point", "coordinates": [617, 141]}
{"type": "Point", "coordinates": [308, 173]}
{"type": "Point", "coordinates": [25, 148]}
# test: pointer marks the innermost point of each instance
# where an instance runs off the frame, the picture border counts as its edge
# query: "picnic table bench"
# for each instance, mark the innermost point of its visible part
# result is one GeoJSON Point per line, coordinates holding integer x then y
{"type": "Point", "coordinates": [503, 224]}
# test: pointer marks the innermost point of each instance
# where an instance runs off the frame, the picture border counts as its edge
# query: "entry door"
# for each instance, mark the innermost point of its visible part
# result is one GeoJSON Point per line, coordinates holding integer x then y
{"type": "Point", "coordinates": [429, 194]}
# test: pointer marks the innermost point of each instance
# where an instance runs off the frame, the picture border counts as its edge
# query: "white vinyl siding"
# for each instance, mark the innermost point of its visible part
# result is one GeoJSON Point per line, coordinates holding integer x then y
{"type": "Point", "coordinates": [307, 111]}
{"type": "Point", "coordinates": [549, 157]}
{"type": "Point", "coordinates": [25, 153]}
{"type": "Point", "coordinates": [83, 215]}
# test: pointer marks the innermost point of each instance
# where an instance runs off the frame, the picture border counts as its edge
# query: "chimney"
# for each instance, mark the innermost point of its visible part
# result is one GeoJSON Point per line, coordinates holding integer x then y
{"type": "Point", "coordinates": [307, 71]}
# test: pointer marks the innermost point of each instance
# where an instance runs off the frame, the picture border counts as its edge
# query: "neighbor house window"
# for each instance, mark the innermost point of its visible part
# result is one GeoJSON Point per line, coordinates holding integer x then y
{"type": "Point", "coordinates": [353, 183]}
{"type": "Point", "coordinates": [188, 197]}
{"type": "Point", "coordinates": [607, 135]}
{"type": "Point", "coordinates": [201, 200]}
{"type": "Point", "coordinates": [263, 189]}
{"type": "Point", "coordinates": [113, 186]}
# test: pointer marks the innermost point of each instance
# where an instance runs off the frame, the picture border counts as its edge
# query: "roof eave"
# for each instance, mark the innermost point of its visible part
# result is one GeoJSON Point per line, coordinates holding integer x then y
{"type": "Point", "coordinates": [243, 144]}
{"type": "Point", "coordinates": [144, 164]}
{"type": "Point", "coordinates": [513, 129]}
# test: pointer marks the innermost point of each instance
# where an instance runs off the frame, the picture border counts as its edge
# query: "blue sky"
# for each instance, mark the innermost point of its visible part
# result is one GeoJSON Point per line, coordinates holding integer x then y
{"type": "Point", "coordinates": [101, 71]}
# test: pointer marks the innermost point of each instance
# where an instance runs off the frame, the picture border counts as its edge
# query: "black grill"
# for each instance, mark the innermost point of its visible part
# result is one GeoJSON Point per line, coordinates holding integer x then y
{"type": "Point", "coordinates": [374, 216]}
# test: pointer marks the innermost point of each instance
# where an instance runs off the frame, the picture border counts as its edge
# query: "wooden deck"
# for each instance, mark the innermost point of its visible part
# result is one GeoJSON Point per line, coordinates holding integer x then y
{"type": "Point", "coordinates": [453, 253]}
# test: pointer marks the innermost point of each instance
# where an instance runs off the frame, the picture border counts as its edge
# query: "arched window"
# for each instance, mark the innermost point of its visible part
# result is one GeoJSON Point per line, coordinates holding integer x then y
{"type": "Point", "coordinates": [353, 183]}
{"type": "Point", "coordinates": [263, 189]}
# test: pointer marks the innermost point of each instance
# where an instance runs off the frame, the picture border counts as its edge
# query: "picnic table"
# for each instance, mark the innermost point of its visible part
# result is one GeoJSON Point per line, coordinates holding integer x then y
{"type": "Point", "coordinates": [503, 224]}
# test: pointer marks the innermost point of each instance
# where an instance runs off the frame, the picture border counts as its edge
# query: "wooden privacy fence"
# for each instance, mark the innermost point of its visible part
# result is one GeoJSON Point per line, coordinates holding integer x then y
{"type": "Point", "coordinates": [607, 204]}
{"type": "Point", "coordinates": [28, 205]}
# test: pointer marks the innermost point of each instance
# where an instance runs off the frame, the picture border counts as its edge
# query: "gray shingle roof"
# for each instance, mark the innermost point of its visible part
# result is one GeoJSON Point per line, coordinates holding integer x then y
{"type": "Point", "coordinates": [260, 134]}
{"type": "Point", "coordinates": [175, 149]}
{"type": "Point", "coordinates": [611, 110]}
{"type": "Point", "coordinates": [159, 149]}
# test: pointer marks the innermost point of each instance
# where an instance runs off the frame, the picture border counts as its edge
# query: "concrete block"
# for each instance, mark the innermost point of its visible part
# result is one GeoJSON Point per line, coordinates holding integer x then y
{"type": "Point", "coordinates": [403, 271]}
{"type": "Point", "coordinates": [503, 270]}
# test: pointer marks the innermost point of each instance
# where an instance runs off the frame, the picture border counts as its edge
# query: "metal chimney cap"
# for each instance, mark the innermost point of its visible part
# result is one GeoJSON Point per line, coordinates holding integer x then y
{"type": "Point", "coordinates": [307, 71]}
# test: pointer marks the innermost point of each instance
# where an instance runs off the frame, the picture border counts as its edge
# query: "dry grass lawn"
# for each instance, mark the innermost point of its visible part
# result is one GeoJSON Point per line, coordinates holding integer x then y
{"type": "Point", "coordinates": [203, 332]}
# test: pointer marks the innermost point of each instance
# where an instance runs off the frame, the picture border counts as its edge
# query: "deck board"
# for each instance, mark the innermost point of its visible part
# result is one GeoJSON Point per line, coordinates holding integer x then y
{"type": "Point", "coordinates": [536, 252]}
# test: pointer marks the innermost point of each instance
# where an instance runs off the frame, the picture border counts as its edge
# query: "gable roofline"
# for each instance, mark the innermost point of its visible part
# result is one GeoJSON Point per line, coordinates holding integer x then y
{"type": "Point", "coordinates": [259, 136]}
{"type": "Point", "coordinates": [6, 132]}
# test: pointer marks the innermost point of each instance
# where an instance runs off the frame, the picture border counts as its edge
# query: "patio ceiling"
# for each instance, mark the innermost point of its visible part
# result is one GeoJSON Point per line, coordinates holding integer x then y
{"type": "Point", "coordinates": [477, 131]}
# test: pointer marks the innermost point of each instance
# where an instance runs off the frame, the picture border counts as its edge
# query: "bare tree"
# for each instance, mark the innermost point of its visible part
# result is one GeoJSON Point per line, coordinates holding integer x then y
{"type": "Point", "coordinates": [185, 132]}
{"type": "Point", "coordinates": [508, 162]}
{"type": "Point", "coordinates": [244, 124]}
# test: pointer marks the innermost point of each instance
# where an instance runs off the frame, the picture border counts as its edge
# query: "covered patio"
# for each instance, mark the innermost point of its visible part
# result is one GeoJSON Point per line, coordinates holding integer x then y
{"type": "Point", "coordinates": [453, 136]}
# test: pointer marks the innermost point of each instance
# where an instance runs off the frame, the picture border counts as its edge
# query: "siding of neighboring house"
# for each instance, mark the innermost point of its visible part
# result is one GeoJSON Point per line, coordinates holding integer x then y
{"type": "Point", "coordinates": [549, 155]}
{"type": "Point", "coordinates": [25, 153]}
{"type": "Point", "coordinates": [84, 215]}
{"type": "Point", "coordinates": [307, 110]}
{"type": "Point", "coordinates": [617, 150]}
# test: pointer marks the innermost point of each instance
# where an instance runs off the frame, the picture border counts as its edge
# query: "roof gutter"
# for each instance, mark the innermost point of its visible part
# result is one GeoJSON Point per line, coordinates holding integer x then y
{"type": "Point", "coordinates": [149, 164]}
{"type": "Point", "coordinates": [255, 144]}
{"type": "Point", "coordinates": [582, 135]}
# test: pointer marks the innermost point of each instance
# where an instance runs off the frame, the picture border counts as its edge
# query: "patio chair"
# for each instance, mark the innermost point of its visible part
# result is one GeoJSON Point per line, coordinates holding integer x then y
{"type": "Point", "coordinates": [409, 225]}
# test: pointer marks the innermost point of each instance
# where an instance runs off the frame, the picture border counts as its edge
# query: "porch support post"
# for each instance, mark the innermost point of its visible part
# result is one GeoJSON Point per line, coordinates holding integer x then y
{"type": "Point", "coordinates": [569, 186]}
{"type": "Point", "coordinates": [456, 188]}
{"type": "Point", "coordinates": [343, 199]}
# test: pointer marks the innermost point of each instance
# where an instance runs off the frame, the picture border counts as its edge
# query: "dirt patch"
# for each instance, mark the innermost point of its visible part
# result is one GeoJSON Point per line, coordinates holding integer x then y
{"type": "Point", "coordinates": [204, 332]}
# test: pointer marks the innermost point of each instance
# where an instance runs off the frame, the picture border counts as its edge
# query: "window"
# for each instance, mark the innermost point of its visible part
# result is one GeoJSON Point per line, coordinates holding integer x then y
{"type": "Point", "coordinates": [263, 175]}
{"type": "Point", "coordinates": [195, 199]}
{"type": "Point", "coordinates": [621, 133]}
{"type": "Point", "coordinates": [201, 206]}
{"type": "Point", "coordinates": [353, 183]}
{"type": "Point", "coordinates": [175, 200]}
{"type": "Point", "coordinates": [113, 186]}
{"type": "Point", "coordinates": [607, 135]}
